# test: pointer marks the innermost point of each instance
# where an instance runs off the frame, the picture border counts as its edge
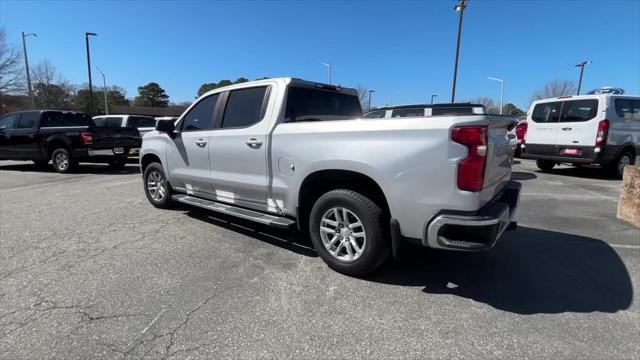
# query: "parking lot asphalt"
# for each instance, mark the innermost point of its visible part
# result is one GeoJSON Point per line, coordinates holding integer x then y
{"type": "Point", "coordinates": [89, 269]}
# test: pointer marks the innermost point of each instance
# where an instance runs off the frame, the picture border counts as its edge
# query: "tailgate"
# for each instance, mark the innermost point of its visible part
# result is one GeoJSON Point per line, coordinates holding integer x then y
{"type": "Point", "coordinates": [499, 155]}
{"type": "Point", "coordinates": [112, 137]}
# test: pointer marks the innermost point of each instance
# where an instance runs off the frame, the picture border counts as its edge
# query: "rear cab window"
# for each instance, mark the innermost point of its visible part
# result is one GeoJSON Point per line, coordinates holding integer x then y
{"type": "Point", "coordinates": [317, 104]}
{"type": "Point", "coordinates": [409, 112]}
{"type": "Point", "coordinates": [60, 119]}
{"type": "Point", "coordinates": [140, 122]}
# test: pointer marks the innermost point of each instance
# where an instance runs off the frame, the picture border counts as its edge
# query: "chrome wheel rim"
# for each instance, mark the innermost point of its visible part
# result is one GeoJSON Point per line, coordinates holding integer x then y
{"type": "Point", "coordinates": [155, 185]}
{"type": "Point", "coordinates": [343, 234]}
{"type": "Point", "coordinates": [61, 160]}
{"type": "Point", "coordinates": [624, 161]}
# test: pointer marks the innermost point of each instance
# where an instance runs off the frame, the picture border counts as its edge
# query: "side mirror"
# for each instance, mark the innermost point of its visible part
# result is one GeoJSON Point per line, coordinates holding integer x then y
{"type": "Point", "coordinates": [166, 126]}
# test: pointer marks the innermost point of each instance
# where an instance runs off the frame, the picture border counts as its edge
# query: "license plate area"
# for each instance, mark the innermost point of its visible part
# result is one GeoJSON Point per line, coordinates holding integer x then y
{"type": "Point", "coordinates": [573, 152]}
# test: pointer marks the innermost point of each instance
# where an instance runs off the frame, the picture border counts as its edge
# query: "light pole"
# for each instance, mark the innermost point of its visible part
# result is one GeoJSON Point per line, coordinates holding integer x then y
{"type": "Point", "coordinates": [26, 65]}
{"type": "Point", "coordinates": [501, 90]}
{"type": "Point", "coordinates": [433, 96]}
{"type": "Point", "coordinates": [86, 37]}
{"type": "Point", "coordinates": [370, 92]}
{"type": "Point", "coordinates": [581, 66]}
{"type": "Point", "coordinates": [328, 65]}
{"type": "Point", "coordinates": [462, 4]}
{"type": "Point", "coordinates": [104, 83]}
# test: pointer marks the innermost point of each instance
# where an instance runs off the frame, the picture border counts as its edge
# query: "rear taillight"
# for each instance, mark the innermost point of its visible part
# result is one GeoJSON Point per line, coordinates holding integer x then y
{"type": "Point", "coordinates": [86, 138]}
{"type": "Point", "coordinates": [521, 131]}
{"type": "Point", "coordinates": [471, 169]}
{"type": "Point", "coordinates": [603, 130]}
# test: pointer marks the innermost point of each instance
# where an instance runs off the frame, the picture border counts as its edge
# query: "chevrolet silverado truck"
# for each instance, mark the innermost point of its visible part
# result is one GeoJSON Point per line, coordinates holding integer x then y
{"type": "Point", "coordinates": [291, 153]}
{"type": "Point", "coordinates": [65, 138]}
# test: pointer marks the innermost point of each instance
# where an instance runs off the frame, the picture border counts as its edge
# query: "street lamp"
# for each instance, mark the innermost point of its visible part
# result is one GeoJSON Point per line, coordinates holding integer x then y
{"type": "Point", "coordinates": [433, 96]}
{"type": "Point", "coordinates": [104, 83]}
{"type": "Point", "coordinates": [26, 65]}
{"type": "Point", "coordinates": [86, 37]}
{"type": "Point", "coordinates": [460, 6]}
{"type": "Point", "coordinates": [501, 90]}
{"type": "Point", "coordinates": [328, 65]}
{"type": "Point", "coordinates": [370, 92]}
{"type": "Point", "coordinates": [581, 66]}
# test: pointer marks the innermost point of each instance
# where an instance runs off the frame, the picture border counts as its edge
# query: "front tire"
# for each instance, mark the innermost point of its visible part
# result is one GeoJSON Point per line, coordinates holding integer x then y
{"type": "Point", "coordinates": [62, 161]}
{"type": "Point", "coordinates": [545, 165]}
{"type": "Point", "coordinates": [347, 231]}
{"type": "Point", "coordinates": [156, 187]}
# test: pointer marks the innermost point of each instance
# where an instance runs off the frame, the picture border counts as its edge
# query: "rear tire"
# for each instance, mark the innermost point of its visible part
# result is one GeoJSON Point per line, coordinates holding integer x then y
{"type": "Point", "coordinates": [347, 230]}
{"type": "Point", "coordinates": [62, 161]}
{"type": "Point", "coordinates": [616, 168]}
{"type": "Point", "coordinates": [156, 187]}
{"type": "Point", "coordinates": [545, 165]}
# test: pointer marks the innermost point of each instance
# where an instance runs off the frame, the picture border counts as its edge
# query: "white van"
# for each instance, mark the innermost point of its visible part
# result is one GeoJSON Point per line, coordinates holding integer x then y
{"type": "Point", "coordinates": [599, 129]}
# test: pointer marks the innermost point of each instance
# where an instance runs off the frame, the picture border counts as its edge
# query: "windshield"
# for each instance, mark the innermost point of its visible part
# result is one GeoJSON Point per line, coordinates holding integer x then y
{"type": "Point", "coordinates": [308, 104]}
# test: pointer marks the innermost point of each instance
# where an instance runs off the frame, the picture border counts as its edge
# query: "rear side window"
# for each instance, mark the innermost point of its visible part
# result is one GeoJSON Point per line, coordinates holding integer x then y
{"type": "Point", "coordinates": [8, 122]}
{"type": "Point", "coordinates": [140, 122]}
{"type": "Point", "coordinates": [60, 119]}
{"type": "Point", "coordinates": [578, 110]}
{"type": "Point", "coordinates": [113, 122]}
{"type": "Point", "coordinates": [244, 107]}
{"type": "Point", "coordinates": [375, 114]}
{"type": "Point", "coordinates": [200, 117]}
{"type": "Point", "coordinates": [309, 104]}
{"type": "Point", "coordinates": [627, 109]}
{"type": "Point", "coordinates": [546, 112]}
{"type": "Point", "coordinates": [407, 112]}
{"type": "Point", "coordinates": [27, 121]}
{"type": "Point", "coordinates": [99, 121]}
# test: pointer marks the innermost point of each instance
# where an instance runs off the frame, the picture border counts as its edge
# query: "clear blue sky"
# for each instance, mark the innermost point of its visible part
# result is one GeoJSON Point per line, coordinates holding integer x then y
{"type": "Point", "coordinates": [403, 50]}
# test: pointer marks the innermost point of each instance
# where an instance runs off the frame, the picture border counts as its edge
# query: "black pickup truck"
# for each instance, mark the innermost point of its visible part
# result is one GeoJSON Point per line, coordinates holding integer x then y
{"type": "Point", "coordinates": [64, 138]}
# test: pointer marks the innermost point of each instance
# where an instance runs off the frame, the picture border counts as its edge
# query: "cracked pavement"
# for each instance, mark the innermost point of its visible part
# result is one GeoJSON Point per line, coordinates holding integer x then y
{"type": "Point", "coordinates": [88, 269]}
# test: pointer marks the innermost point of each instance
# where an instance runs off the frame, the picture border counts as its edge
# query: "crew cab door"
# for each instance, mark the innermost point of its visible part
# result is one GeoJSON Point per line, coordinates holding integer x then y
{"type": "Point", "coordinates": [7, 123]}
{"type": "Point", "coordinates": [189, 166]}
{"type": "Point", "coordinates": [239, 148]}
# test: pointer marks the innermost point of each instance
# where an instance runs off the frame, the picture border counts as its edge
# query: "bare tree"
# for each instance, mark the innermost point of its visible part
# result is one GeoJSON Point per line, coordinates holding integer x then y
{"type": "Point", "coordinates": [51, 90]}
{"type": "Point", "coordinates": [11, 70]}
{"type": "Point", "coordinates": [555, 88]}
{"type": "Point", "coordinates": [489, 105]}
{"type": "Point", "coordinates": [363, 96]}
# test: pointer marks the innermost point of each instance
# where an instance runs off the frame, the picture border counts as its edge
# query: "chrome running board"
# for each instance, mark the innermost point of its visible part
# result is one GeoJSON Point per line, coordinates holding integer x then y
{"type": "Point", "coordinates": [271, 220]}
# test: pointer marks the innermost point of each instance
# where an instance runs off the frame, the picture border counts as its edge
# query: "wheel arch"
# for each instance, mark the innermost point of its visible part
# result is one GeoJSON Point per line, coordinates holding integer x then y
{"type": "Point", "coordinates": [319, 182]}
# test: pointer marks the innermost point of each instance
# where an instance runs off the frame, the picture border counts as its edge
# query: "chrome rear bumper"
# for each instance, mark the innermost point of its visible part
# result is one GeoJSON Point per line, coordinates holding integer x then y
{"type": "Point", "coordinates": [475, 231]}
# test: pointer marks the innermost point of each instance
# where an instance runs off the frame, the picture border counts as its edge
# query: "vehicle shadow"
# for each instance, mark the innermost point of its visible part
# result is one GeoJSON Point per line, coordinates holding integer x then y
{"type": "Point", "coordinates": [523, 175]}
{"type": "Point", "coordinates": [586, 172]}
{"type": "Point", "coordinates": [83, 168]}
{"type": "Point", "coordinates": [291, 240]}
{"type": "Point", "coordinates": [530, 271]}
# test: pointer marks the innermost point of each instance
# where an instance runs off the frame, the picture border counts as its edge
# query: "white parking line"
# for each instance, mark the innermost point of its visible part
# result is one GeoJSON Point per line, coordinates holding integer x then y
{"type": "Point", "coordinates": [623, 246]}
{"type": "Point", "coordinates": [564, 196]}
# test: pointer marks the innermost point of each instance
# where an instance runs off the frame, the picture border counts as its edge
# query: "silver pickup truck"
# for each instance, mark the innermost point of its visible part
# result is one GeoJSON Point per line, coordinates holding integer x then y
{"type": "Point", "coordinates": [292, 153]}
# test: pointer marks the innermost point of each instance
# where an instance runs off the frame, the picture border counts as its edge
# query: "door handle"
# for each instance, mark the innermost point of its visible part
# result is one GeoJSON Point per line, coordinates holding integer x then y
{"type": "Point", "coordinates": [201, 143]}
{"type": "Point", "coordinates": [254, 143]}
{"type": "Point", "coordinates": [567, 129]}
